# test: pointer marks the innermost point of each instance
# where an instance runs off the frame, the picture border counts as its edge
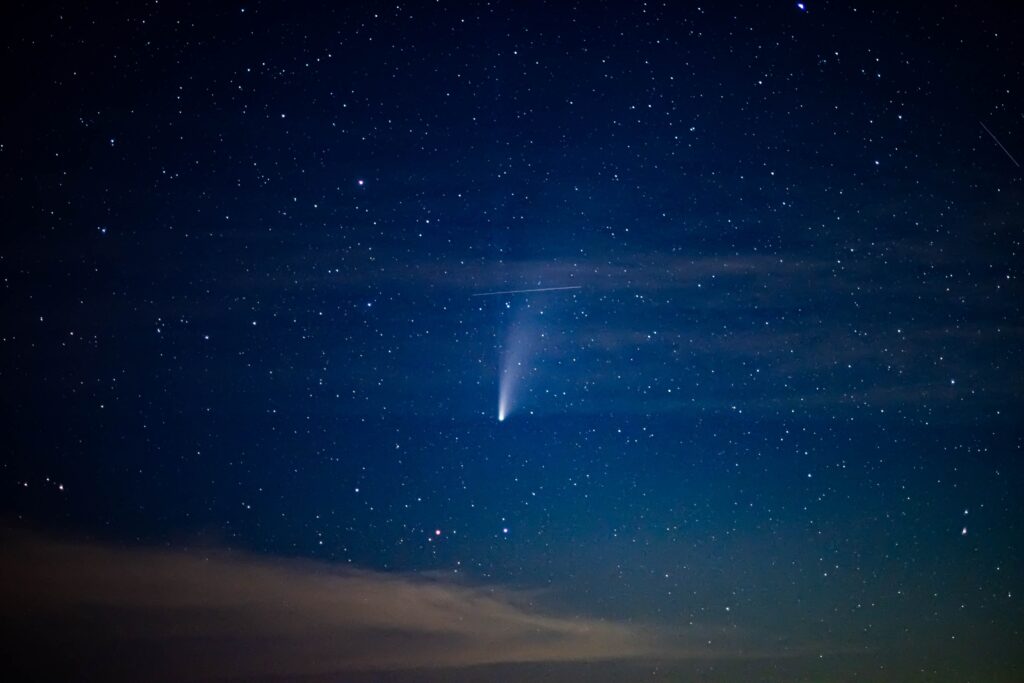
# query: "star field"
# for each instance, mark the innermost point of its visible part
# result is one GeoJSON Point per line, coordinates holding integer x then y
{"type": "Point", "coordinates": [512, 341]}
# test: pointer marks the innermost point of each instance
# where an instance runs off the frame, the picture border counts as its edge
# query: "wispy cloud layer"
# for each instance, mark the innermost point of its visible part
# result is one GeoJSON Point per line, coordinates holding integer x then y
{"type": "Point", "coordinates": [178, 615]}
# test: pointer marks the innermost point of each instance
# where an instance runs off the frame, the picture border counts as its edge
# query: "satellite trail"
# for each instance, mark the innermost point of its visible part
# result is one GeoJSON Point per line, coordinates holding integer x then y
{"type": "Point", "coordinates": [526, 291]}
{"type": "Point", "coordinates": [993, 136]}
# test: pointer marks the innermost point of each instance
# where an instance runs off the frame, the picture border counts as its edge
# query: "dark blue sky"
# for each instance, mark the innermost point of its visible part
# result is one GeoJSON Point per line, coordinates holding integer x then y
{"type": "Point", "coordinates": [772, 435]}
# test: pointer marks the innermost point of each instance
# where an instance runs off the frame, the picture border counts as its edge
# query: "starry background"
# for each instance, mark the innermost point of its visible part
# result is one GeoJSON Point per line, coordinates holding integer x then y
{"type": "Point", "coordinates": [777, 420]}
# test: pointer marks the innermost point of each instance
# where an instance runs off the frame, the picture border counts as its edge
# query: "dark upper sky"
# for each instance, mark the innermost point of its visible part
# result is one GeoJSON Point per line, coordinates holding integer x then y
{"type": "Point", "coordinates": [252, 401]}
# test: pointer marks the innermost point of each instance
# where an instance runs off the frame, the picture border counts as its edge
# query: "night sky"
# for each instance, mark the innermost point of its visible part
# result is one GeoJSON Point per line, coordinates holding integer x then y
{"type": "Point", "coordinates": [763, 424]}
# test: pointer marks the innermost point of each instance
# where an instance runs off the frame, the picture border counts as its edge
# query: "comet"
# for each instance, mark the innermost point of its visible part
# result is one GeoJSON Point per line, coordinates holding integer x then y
{"type": "Point", "coordinates": [514, 358]}
{"type": "Point", "coordinates": [527, 291]}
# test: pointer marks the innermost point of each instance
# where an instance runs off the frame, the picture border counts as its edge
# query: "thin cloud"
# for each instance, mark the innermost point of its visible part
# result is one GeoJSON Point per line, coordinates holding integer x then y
{"type": "Point", "coordinates": [176, 615]}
